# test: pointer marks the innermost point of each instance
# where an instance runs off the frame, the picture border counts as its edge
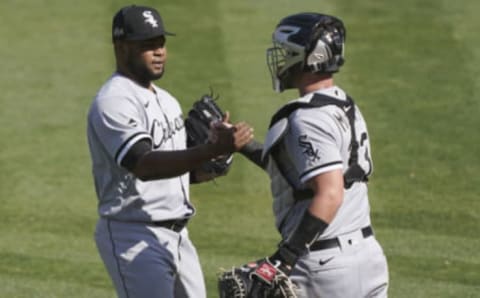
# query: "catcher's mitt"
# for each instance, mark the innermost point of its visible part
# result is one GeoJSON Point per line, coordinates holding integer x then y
{"type": "Point", "coordinates": [256, 280]}
{"type": "Point", "coordinates": [197, 124]}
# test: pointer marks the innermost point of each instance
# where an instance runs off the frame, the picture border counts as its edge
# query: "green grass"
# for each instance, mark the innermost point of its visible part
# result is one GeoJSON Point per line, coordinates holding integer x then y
{"type": "Point", "coordinates": [412, 66]}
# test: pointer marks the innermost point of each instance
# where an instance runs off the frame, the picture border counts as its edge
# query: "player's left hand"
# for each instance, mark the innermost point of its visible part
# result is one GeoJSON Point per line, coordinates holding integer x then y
{"type": "Point", "coordinates": [263, 278]}
{"type": "Point", "coordinates": [235, 135]}
{"type": "Point", "coordinates": [203, 115]}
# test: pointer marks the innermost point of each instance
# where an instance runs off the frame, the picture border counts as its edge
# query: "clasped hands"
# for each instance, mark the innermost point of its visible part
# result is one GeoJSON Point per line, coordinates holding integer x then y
{"type": "Point", "coordinates": [230, 137]}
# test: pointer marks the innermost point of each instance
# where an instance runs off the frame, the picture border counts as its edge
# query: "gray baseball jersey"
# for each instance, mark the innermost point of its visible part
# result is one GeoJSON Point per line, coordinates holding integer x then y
{"type": "Point", "coordinates": [121, 114]}
{"type": "Point", "coordinates": [310, 142]}
{"type": "Point", "coordinates": [317, 140]}
{"type": "Point", "coordinates": [144, 259]}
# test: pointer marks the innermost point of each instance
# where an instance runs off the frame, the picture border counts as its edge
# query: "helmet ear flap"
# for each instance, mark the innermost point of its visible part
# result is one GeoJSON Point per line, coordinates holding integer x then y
{"type": "Point", "coordinates": [320, 54]}
{"type": "Point", "coordinates": [325, 49]}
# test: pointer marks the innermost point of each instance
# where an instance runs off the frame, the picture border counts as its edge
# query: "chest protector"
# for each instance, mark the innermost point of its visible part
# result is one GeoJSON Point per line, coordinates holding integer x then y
{"type": "Point", "coordinates": [278, 127]}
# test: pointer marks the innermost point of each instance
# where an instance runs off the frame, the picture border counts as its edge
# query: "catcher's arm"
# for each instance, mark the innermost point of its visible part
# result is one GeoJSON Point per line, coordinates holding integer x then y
{"type": "Point", "coordinates": [270, 276]}
{"type": "Point", "coordinates": [253, 151]}
{"type": "Point", "coordinates": [327, 198]}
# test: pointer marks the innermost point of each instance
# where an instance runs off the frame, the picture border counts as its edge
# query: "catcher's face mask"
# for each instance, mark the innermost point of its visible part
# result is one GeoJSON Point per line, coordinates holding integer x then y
{"type": "Point", "coordinates": [306, 42]}
{"type": "Point", "coordinates": [282, 56]}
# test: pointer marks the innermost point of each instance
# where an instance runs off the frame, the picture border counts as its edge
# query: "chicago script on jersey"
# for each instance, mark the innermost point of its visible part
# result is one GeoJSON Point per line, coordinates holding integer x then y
{"type": "Point", "coordinates": [161, 131]}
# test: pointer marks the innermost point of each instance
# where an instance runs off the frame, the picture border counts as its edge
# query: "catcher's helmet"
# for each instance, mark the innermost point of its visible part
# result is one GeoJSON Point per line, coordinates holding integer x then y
{"type": "Point", "coordinates": [305, 42]}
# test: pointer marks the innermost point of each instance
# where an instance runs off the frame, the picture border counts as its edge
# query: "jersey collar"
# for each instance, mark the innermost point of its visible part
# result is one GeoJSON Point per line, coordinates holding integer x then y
{"type": "Point", "coordinates": [334, 91]}
{"type": "Point", "coordinates": [146, 94]}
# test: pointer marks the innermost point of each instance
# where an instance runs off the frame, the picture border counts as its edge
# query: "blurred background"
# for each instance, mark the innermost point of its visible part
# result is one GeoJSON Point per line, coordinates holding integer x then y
{"type": "Point", "coordinates": [412, 66]}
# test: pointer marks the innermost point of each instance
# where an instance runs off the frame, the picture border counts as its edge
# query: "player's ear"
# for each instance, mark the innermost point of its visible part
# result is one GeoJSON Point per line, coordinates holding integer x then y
{"type": "Point", "coordinates": [120, 47]}
{"type": "Point", "coordinates": [117, 49]}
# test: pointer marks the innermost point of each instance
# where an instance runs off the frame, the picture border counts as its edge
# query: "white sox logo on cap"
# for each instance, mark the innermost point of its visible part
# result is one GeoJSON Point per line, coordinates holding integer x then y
{"type": "Point", "coordinates": [150, 19]}
{"type": "Point", "coordinates": [137, 23]}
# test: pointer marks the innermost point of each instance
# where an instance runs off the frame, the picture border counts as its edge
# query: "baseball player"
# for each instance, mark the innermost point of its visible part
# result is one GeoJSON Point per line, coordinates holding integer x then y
{"type": "Point", "coordinates": [142, 168]}
{"type": "Point", "coordinates": [317, 154]}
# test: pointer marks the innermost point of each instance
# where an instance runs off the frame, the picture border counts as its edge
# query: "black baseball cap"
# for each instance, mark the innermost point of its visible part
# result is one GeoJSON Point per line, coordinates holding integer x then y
{"type": "Point", "coordinates": [137, 23]}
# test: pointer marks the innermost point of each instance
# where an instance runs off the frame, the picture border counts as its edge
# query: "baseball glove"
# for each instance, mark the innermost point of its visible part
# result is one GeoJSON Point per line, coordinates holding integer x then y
{"type": "Point", "coordinates": [260, 279]}
{"type": "Point", "coordinates": [197, 124]}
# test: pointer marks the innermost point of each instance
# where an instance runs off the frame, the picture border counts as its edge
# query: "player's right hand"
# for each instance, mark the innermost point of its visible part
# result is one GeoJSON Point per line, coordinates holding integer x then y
{"type": "Point", "coordinates": [229, 138]}
{"type": "Point", "coordinates": [243, 134]}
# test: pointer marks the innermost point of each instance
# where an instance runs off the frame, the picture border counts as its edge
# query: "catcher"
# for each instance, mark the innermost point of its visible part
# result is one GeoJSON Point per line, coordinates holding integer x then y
{"type": "Point", "coordinates": [317, 154]}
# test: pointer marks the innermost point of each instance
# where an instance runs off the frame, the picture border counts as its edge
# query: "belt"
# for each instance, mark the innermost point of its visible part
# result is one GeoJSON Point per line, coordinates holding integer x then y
{"type": "Point", "coordinates": [334, 242]}
{"type": "Point", "coordinates": [176, 225]}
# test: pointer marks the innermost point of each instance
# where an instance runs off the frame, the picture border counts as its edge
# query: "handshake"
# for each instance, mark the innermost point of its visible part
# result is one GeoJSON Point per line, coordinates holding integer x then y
{"type": "Point", "coordinates": [206, 123]}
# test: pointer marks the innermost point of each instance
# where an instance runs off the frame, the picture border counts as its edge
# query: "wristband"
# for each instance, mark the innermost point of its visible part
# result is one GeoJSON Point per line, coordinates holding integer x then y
{"type": "Point", "coordinates": [306, 232]}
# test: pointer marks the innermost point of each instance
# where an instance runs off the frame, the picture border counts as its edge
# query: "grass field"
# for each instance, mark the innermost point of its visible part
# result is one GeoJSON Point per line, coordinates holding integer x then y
{"type": "Point", "coordinates": [413, 66]}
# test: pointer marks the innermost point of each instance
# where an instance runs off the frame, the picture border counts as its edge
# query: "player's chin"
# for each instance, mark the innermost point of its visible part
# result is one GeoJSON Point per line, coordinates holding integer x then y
{"type": "Point", "coordinates": [156, 73]}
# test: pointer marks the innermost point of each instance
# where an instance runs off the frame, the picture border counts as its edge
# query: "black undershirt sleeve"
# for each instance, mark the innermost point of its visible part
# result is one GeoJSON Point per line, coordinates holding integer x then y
{"type": "Point", "coordinates": [297, 244]}
{"type": "Point", "coordinates": [253, 151]}
{"type": "Point", "coordinates": [133, 155]}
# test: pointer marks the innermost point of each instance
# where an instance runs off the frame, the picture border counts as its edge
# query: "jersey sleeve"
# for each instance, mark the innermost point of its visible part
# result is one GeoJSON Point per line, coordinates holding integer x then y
{"type": "Point", "coordinates": [312, 142]}
{"type": "Point", "coordinates": [119, 123]}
